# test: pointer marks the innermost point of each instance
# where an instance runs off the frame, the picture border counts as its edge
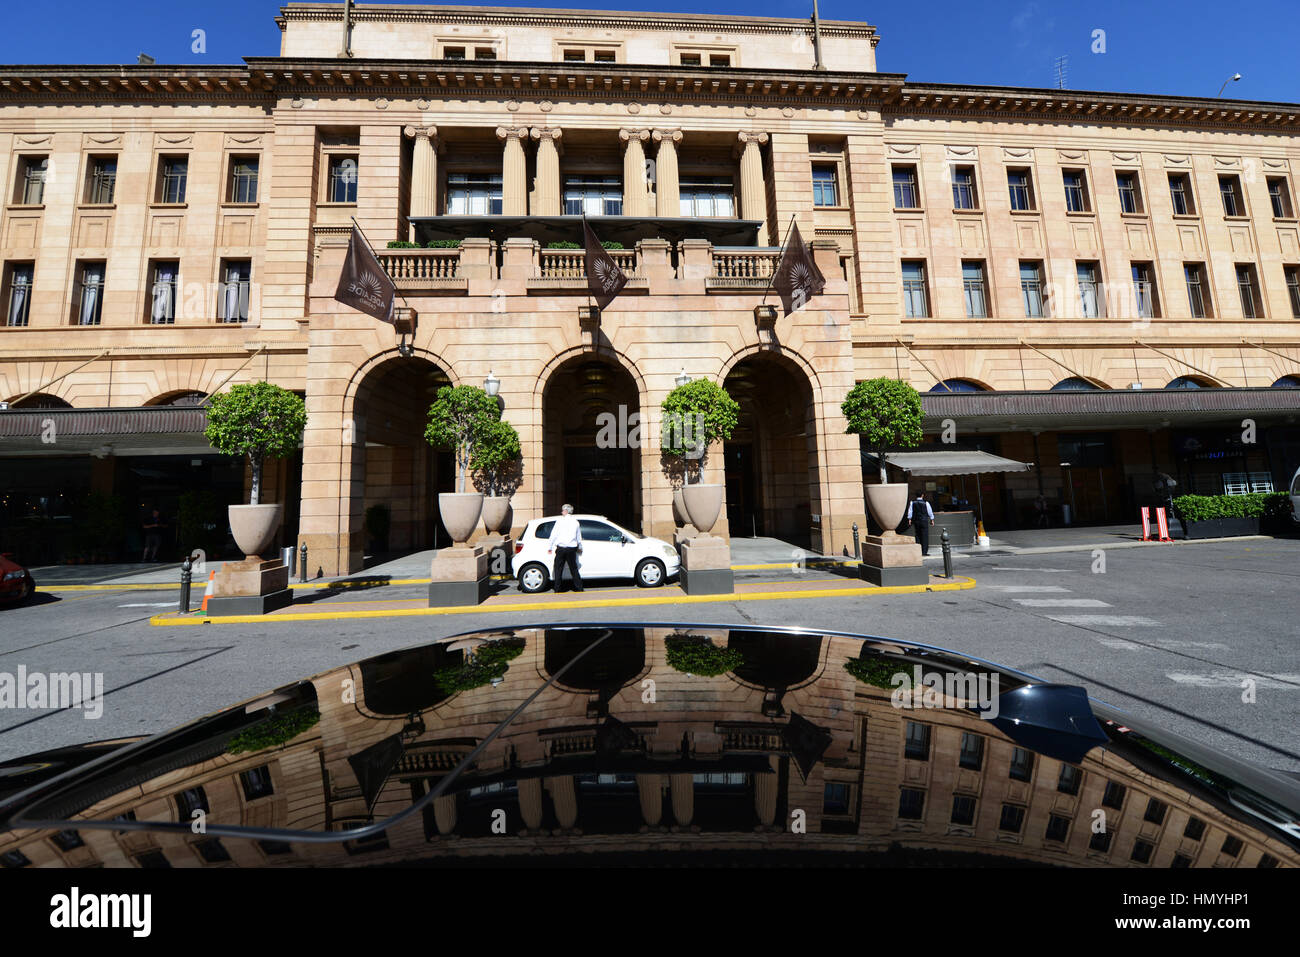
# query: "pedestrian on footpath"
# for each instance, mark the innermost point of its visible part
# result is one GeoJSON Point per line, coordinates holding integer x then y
{"type": "Point", "coordinates": [922, 516]}
{"type": "Point", "coordinates": [566, 544]}
{"type": "Point", "coordinates": [154, 527]}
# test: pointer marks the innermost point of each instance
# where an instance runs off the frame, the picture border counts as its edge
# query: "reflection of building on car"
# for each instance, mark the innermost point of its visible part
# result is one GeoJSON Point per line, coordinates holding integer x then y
{"type": "Point", "coordinates": [16, 582]}
{"type": "Point", "coordinates": [608, 551]}
{"type": "Point", "coordinates": [1295, 496]}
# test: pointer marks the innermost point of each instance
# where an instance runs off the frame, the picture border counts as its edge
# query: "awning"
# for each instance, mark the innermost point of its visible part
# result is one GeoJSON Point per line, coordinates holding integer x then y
{"type": "Point", "coordinates": [950, 463]}
{"type": "Point", "coordinates": [623, 229]}
{"type": "Point", "coordinates": [148, 430]}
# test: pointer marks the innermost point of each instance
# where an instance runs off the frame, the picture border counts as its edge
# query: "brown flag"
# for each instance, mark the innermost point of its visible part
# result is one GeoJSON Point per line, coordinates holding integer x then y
{"type": "Point", "coordinates": [604, 279]}
{"type": "Point", "coordinates": [797, 278]}
{"type": "Point", "coordinates": [364, 284]}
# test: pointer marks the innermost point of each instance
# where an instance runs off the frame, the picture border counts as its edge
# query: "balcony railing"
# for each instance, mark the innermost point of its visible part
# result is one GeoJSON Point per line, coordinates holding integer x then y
{"type": "Point", "coordinates": [742, 268]}
{"type": "Point", "coordinates": [423, 268]}
{"type": "Point", "coordinates": [559, 269]}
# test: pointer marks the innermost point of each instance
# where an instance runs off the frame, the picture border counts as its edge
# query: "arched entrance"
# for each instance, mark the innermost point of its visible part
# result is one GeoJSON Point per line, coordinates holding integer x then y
{"type": "Point", "coordinates": [396, 473]}
{"type": "Point", "coordinates": [590, 441]}
{"type": "Point", "coordinates": [771, 460]}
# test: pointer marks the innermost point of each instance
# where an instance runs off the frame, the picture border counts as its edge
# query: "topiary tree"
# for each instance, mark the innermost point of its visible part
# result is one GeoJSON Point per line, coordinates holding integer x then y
{"type": "Point", "coordinates": [698, 655]}
{"type": "Point", "coordinates": [887, 413]}
{"type": "Point", "coordinates": [696, 415]}
{"type": "Point", "coordinates": [496, 459]}
{"type": "Point", "coordinates": [458, 420]}
{"type": "Point", "coordinates": [257, 420]}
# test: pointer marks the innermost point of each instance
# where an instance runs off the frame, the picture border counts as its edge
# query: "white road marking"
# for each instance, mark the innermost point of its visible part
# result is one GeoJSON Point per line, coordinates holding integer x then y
{"type": "Point", "coordinates": [1119, 644]}
{"type": "Point", "coordinates": [1225, 679]}
{"type": "Point", "coordinates": [1030, 588]}
{"type": "Point", "coordinates": [1014, 568]}
{"type": "Point", "coordinates": [1108, 621]}
{"type": "Point", "coordinates": [1062, 602]}
{"type": "Point", "coordinates": [149, 604]}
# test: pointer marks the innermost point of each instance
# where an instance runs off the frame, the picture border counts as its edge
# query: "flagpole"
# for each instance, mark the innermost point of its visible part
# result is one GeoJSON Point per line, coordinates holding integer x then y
{"type": "Point", "coordinates": [366, 239]}
{"type": "Point", "coordinates": [778, 258]}
{"type": "Point", "coordinates": [586, 265]}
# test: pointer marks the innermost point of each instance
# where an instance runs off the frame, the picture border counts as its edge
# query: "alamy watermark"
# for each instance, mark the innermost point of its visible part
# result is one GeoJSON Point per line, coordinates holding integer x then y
{"type": "Point", "coordinates": [929, 689]}
{"type": "Point", "coordinates": [39, 691]}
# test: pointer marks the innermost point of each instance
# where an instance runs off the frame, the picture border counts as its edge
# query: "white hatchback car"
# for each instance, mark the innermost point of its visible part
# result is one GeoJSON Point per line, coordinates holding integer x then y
{"type": "Point", "coordinates": [608, 551]}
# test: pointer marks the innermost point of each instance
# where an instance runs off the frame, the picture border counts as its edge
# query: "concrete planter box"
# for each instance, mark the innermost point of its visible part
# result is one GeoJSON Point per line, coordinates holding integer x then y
{"type": "Point", "coordinates": [1222, 527]}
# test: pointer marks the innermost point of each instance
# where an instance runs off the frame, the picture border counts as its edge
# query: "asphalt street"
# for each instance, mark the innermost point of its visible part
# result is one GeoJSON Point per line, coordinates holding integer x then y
{"type": "Point", "coordinates": [1170, 633]}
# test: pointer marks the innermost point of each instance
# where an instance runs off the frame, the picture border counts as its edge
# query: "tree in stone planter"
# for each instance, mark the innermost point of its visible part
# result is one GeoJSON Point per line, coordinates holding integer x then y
{"type": "Point", "coordinates": [698, 655]}
{"type": "Point", "coordinates": [887, 413]}
{"type": "Point", "coordinates": [458, 420]}
{"type": "Point", "coordinates": [496, 460]}
{"type": "Point", "coordinates": [696, 415]}
{"type": "Point", "coordinates": [256, 420]}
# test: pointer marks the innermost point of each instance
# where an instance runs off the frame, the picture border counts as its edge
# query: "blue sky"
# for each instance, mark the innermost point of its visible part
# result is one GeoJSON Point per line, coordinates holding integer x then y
{"type": "Point", "coordinates": [1151, 46]}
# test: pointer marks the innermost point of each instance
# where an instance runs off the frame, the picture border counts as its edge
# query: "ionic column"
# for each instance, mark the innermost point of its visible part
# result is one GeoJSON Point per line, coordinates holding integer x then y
{"type": "Point", "coordinates": [530, 802]}
{"type": "Point", "coordinates": [546, 198]}
{"type": "Point", "coordinates": [565, 800]}
{"type": "Point", "coordinates": [424, 172]}
{"type": "Point", "coordinates": [514, 170]}
{"type": "Point", "coordinates": [753, 191]}
{"type": "Point", "coordinates": [765, 794]}
{"type": "Point", "coordinates": [650, 791]}
{"type": "Point", "coordinates": [636, 186]}
{"type": "Point", "coordinates": [682, 787]}
{"type": "Point", "coordinates": [444, 813]}
{"type": "Point", "coordinates": [668, 203]}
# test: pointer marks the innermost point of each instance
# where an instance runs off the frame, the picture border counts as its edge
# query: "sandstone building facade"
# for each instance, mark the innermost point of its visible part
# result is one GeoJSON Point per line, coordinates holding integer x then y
{"type": "Point", "coordinates": [1044, 264]}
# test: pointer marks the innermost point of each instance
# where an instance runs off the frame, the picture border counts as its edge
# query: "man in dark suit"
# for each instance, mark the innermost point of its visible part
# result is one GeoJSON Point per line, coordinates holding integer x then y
{"type": "Point", "coordinates": [922, 516]}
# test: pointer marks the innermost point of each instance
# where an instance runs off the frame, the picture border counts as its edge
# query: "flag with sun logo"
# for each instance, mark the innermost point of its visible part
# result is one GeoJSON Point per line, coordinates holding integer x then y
{"type": "Point", "coordinates": [797, 278]}
{"type": "Point", "coordinates": [364, 284]}
{"type": "Point", "coordinates": [604, 279]}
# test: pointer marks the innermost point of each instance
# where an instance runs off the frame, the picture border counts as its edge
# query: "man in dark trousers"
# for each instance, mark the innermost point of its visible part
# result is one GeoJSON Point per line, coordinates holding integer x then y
{"type": "Point", "coordinates": [566, 543]}
{"type": "Point", "coordinates": [922, 516]}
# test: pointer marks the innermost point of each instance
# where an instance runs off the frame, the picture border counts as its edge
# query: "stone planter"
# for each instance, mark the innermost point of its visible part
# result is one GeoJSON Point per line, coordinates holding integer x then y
{"type": "Point", "coordinates": [253, 527]}
{"type": "Point", "coordinates": [496, 513]}
{"type": "Point", "coordinates": [679, 509]}
{"type": "Point", "coordinates": [702, 504]}
{"type": "Point", "coordinates": [1221, 527]}
{"type": "Point", "coordinates": [888, 504]}
{"type": "Point", "coordinates": [460, 513]}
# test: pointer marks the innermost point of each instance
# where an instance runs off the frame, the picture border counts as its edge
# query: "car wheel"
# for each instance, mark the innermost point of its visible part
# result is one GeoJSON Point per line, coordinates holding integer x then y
{"type": "Point", "coordinates": [533, 578]}
{"type": "Point", "coordinates": [650, 573]}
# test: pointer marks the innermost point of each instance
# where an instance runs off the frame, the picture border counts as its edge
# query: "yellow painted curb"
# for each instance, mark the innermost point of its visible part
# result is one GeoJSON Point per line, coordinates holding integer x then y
{"type": "Point", "coordinates": [171, 619]}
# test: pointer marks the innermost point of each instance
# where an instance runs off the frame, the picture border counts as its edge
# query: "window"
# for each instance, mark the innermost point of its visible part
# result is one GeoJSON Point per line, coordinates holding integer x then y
{"type": "Point", "coordinates": [917, 745]}
{"type": "Point", "coordinates": [825, 188]}
{"type": "Point", "coordinates": [342, 182]}
{"type": "Point", "coordinates": [972, 751]}
{"type": "Point", "coordinates": [1022, 765]}
{"type": "Point", "coordinates": [474, 194]}
{"type": "Point", "coordinates": [963, 809]}
{"type": "Point", "coordinates": [963, 188]}
{"type": "Point", "coordinates": [15, 859]}
{"type": "Point", "coordinates": [915, 300]}
{"type": "Point", "coordinates": [1267, 861]}
{"type": "Point", "coordinates": [705, 196]}
{"type": "Point", "coordinates": [593, 196]}
{"type": "Point", "coordinates": [690, 59]}
{"type": "Point", "coordinates": [1144, 291]}
{"type": "Point", "coordinates": [1195, 829]}
{"type": "Point", "coordinates": [1089, 277]}
{"type": "Point", "coordinates": [68, 840]}
{"type": "Point", "coordinates": [1013, 818]}
{"type": "Point", "coordinates": [189, 801]}
{"type": "Point", "coordinates": [256, 783]}
{"type": "Point", "coordinates": [485, 53]}
{"type": "Point", "coordinates": [1142, 852]}
{"type": "Point", "coordinates": [1100, 842]}
{"type": "Point", "coordinates": [1180, 194]}
{"type": "Point", "coordinates": [29, 189]}
{"type": "Point", "coordinates": [594, 531]}
{"type": "Point", "coordinates": [212, 850]}
{"type": "Point", "coordinates": [1031, 290]}
{"type": "Point", "coordinates": [1198, 290]}
{"type": "Point", "coordinates": [911, 804]}
{"type": "Point", "coordinates": [1231, 846]}
{"type": "Point", "coordinates": [1251, 305]}
{"type": "Point", "coordinates": [272, 848]}
{"type": "Point", "coordinates": [101, 180]}
{"type": "Point", "coordinates": [453, 53]}
{"type": "Point", "coordinates": [1155, 811]}
{"type": "Point", "coordinates": [1076, 191]}
{"type": "Point", "coordinates": [172, 174]}
{"type": "Point", "coordinates": [1114, 796]}
{"type": "Point", "coordinates": [1181, 861]}
{"type": "Point", "coordinates": [153, 860]}
{"type": "Point", "coordinates": [243, 179]}
{"type": "Point", "coordinates": [1279, 195]}
{"type": "Point", "coordinates": [835, 798]}
{"type": "Point", "coordinates": [719, 59]}
{"type": "Point", "coordinates": [1069, 780]}
{"type": "Point", "coordinates": [232, 296]}
{"type": "Point", "coordinates": [906, 195]}
{"type": "Point", "coordinates": [18, 293]}
{"type": "Point", "coordinates": [162, 291]}
{"type": "Point", "coordinates": [603, 56]}
{"type": "Point", "coordinates": [1292, 274]}
{"type": "Point", "coordinates": [972, 284]}
{"type": "Point", "coordinates": [1230, 190]}
{"type": "Point", "coordinates": [89, 305]}
{"type": "Point", "coordinates": [1058, 827]}
{"type": "Point", "coordinates": [1130, 195]}
{"type": "Point", "coordinates": [1021, 188]}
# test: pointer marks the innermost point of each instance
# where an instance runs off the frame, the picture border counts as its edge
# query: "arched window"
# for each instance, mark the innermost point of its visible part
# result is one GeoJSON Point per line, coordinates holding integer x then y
{"type": "Point", "coordinates": [1287, 382]}
{"type": "Point", "coordinates": [188, 399]}
{"type": "Point", "coordinates": [958, 385]}
{"type": "Point", "coordinates": [1187, 382]}
{"type": "Point", "coordinates": [41, 400]}
{"type": "Point", "coordinates": [1076, 384]}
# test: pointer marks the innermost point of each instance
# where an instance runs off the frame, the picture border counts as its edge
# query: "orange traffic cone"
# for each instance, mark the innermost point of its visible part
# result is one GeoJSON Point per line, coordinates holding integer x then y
{"type": "Point", "coordinates": [207, 592]}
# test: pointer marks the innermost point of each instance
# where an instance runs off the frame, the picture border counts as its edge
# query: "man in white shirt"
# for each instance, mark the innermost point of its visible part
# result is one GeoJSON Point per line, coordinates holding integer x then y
{"type": "Point", "coordinates": [566, 543]}
{"type": "Point", "coordinates": [922, 516]}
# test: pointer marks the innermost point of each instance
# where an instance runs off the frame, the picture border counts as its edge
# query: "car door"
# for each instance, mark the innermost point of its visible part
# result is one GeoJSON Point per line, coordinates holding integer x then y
{"type": "Point", "coordinates": [603, 553]}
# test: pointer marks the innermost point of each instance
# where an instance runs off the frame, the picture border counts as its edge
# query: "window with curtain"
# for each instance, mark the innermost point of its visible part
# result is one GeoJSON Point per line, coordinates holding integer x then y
{"type": "Point", "coordinates": [243, 179]}
{"type": "Point", "coordinates": [825, 190]}
{"type": "Point", "coordinates": [1198, 297]}
{"type": "Point", "coordinates": [1279, 197]}
{"type": "Point", "coordinates": [343, 176]}
{"type": "Point", "coordinates": [707, 196]}
{"type": "Point", "coordinates": [1251, 304]}
{"type": "Point", "coordinates": [1076, 194]}
{"type": "Point", "coordinates": [232, 304]}
{"type": "Point", "coordinates": [19, 305]}
{"type": "Point", "coordinates": [593, 196]}
{"type": "Point", "coordinates": [172, 179]}
{"type": "Point", "coordinates": [474, 194]}
{"type": "Point", "coordinates": [973, 288]}
{"type": "Point", "coordinates": [914, 294]}
{"type": "Point", "coordinates": [1018, 185]}
{"type": "Point", "coordinates": [1180, 194]}
{"type": "Point", "coordinates": [102, 181]}
{"type": "Point", "coordinates": [1089, 290]}
{"type": "Point", "coordinates": [1031, 289]}
{"type": "Point", "coordinates": [1293, 288]}
{"type": "Point", "coordinates": [1144, 290]}
{"type": "Point", "coordinates": [963, 188]}
{"type": "Point", "coordinates": [163, 293]}
{"type": "Point", "coordinates": [90, 305]}
{"type": "Point", "coordinates": [1129, 201]}
{"type": "Point", "coordinates": [31, 179]}
{"type": "Point", "coordinates": [906, 195]}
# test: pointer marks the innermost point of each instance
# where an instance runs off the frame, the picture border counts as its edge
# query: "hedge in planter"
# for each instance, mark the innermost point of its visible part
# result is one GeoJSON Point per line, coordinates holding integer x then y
{"type": "Point", "coordinates": [697, 655]}
{"type": "Point", "coordinates": [1202, 508]}
{"type": "Point", "coordinates": [488, 661]}
{"type": "Point", "coordinates": [876, 672]}
{"type": "Point", "coordinates": [276, 730]}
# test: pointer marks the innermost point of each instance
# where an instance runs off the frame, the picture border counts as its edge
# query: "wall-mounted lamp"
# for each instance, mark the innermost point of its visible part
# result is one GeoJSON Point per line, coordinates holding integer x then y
{"type": "Point", "coordinates": [683, 378]}
{"type": "Point", "coordinates": [491, 385]}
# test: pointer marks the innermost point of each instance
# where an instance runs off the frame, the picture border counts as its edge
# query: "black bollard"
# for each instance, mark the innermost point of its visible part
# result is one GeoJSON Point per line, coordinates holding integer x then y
{"type": "Point", "coordinates": [857, 544]}
{"type": "Point", "coordinates": [302, 563]}
{"type": "Point", "coordinates": [947, 554]}
{"type": "Point", "coordinates": [187, 574]}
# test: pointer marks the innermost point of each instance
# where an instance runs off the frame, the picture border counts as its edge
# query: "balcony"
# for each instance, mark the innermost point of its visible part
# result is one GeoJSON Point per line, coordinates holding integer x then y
{"type": "Point", "coordinates": [741, 269]}
{"type": "Point", "coordinates": [566, 269]}
{"type": "Point", "coordinates": [433, 270]}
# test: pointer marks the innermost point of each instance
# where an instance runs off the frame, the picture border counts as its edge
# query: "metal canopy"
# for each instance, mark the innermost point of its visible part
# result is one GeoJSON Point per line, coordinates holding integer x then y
{"type": "Point", "coordinates": [149, 430]}
{"type": "Point", "coordinates": [624, 229]}
{"type": "Point", "coordinates": [951, 463]}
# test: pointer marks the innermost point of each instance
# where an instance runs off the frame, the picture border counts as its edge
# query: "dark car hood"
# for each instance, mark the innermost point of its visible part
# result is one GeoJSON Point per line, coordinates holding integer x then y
{"type": "Point", "coordinates": [648, 743]}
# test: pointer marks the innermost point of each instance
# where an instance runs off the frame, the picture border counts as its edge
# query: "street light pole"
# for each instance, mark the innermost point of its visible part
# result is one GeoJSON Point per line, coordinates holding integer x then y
{"type": "Point", "coordinates": [1232, 79]}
